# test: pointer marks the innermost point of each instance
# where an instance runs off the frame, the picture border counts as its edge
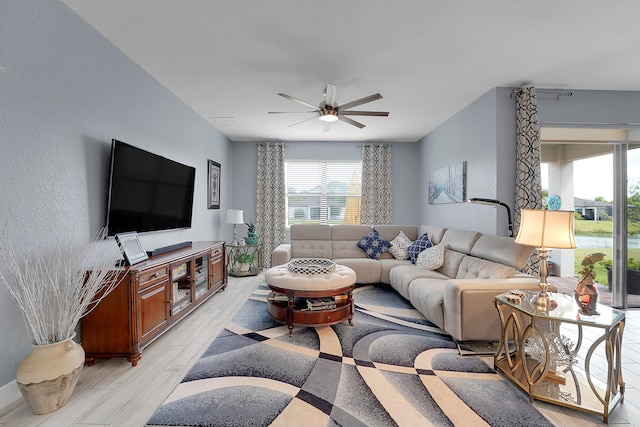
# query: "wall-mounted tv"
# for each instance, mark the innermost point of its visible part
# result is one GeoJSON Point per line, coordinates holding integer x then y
{"type": "Point", "coordinates": [147, 192]}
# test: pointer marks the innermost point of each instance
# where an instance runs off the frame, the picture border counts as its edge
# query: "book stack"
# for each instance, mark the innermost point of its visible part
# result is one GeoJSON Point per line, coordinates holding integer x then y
{"type": "Point", "coordinates": [276, 297]}
{"type": "Point", "coordinates": [326, 303]}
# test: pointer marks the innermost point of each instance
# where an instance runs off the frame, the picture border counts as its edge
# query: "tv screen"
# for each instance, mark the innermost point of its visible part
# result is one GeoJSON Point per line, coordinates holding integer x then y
{"type": "Point", "coordinates": [147, 192]}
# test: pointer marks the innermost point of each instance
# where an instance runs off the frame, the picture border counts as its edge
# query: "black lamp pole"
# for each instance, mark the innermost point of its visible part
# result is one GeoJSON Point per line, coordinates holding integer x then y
{"type": "Point", "coordinates": [484, 201]}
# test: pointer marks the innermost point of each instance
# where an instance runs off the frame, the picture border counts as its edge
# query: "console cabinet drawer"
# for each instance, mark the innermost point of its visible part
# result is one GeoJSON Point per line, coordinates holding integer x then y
{"type": "Point", "coordinates": [153, 276]}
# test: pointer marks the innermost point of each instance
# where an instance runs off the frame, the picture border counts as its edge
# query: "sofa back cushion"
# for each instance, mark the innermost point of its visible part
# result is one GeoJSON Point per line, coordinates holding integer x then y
{"type": "Point", "coordinates": [503, 250]}
{"type": "Point", "coordinates": [311, 241]}
{"type": "Point", "coordinates": [451, 264]}
{"type": "Point", "coordinates": [477, 268]}
{"type": "Point", "coordinates": [460, 240]}
{"type": "Point", "coordinates": [435, 233]}
{"type": "Point", "coordinates": [345, 237]}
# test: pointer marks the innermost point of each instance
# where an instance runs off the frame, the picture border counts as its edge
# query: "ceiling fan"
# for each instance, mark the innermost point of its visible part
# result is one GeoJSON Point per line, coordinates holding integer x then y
{"type": "Point", "coordinates": [328, 111]}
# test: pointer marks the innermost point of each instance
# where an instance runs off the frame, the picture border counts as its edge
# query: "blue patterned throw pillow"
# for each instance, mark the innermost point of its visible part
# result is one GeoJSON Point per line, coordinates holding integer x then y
{"type": "Point", "coordinates": [373, 244]}
{"type": "Point", "coordinates": [418, 246]}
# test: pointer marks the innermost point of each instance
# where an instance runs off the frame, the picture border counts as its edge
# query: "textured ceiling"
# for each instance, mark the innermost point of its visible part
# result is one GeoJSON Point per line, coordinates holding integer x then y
{"type": "Point", "coordinates": [428, 58]}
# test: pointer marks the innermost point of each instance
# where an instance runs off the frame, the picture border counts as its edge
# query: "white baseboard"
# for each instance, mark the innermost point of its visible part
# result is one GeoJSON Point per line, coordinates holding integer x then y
{"type": "Point", "coordinates": [9, 394]}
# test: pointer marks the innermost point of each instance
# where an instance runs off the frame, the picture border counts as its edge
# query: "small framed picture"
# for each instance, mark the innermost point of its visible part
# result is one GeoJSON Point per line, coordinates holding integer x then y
{"type": "Point", "coordinates": [131, 248]}
{"type": "Point", "coordinates": [213, 197]}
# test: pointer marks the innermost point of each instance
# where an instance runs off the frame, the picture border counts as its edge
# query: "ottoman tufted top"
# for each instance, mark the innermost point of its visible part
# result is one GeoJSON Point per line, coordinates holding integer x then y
{"type": "Point", "coordinates": [281, 277]}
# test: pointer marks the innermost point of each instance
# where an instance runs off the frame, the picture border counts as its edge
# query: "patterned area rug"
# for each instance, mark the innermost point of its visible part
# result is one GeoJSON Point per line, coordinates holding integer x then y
{"type": "Point", "coordinates": [392, 367]}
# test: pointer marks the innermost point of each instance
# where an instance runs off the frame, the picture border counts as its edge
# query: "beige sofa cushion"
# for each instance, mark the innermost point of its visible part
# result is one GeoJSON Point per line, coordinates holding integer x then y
{"type": "Point", "coordinates": [311, 241]}
{"type": "Point", "coordinates": [452, 261]}
{"type": "Point", "coordinates": [367, 270]}
{"type": "Point", "coordinates": [435, 233]}
{"type": "Point", "coordinates": [344, 241]}
{"type": "Point", "coordinates": [427, 295]}
{"type": "Point", "coordinates": [389, 264]}
{"type": "Point", "coordinates": [400, 277]}
{"type": "Point", "coordinates": [503, 250]}
{"type": "Point", "coordinates": [311, 249]}
{"type": "Point", "coordinates": [460, 240]}
{"type": "Point", "coordinates": [476, 268]}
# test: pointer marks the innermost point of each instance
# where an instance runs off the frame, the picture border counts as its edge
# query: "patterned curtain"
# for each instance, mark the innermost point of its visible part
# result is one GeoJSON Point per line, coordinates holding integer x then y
{"type": "Point", "coordinates": [528, 182]}
{"type": "Point", "coordinates": [375, 204]}
{"type": "Point", "coordinates": [270, 199]}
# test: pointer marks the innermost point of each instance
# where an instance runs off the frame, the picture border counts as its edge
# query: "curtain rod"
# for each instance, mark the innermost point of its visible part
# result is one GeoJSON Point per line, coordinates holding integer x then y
{"type": "Point", "coordinates": [557, 92]}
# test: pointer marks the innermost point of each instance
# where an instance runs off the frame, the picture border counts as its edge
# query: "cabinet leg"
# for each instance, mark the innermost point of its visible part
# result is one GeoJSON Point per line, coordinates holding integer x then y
{"type": "Point", "coordinates": [134, 359]}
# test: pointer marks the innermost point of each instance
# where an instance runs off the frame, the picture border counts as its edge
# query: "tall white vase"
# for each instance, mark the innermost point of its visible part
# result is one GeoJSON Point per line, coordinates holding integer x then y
{"type": "Point", "coordinates": [47, 376]}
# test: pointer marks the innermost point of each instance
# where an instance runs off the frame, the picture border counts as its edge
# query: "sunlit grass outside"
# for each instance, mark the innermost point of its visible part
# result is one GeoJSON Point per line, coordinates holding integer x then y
{"type": "Point", "coordinates": [600, 228]}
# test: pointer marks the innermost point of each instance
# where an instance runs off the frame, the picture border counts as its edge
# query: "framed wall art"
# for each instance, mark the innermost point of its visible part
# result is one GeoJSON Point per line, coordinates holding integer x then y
{"type": "Point", "coordinates": [213, 195]}
{"type": "Point", "coordinates": [449, 184]}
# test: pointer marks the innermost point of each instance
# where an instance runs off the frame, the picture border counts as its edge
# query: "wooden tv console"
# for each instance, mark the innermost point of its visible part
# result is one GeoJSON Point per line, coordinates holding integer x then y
{"type": "Point", "coordinates": [152, 296]}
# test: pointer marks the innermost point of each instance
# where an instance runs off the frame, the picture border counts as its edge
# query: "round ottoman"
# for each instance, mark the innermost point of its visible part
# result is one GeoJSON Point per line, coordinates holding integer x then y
{"type": "Point", "coordinates": [310, 299]}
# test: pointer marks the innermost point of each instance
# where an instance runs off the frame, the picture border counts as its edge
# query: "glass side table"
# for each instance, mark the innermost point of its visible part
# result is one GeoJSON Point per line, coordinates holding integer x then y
{"type": "Point", "coordinates": [562, 356]}
{"type": "Point", "coordinates": [244, 260]}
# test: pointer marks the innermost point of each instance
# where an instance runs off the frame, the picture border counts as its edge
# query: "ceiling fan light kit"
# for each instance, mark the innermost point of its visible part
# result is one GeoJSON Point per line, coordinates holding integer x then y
{"type": "Point", "coordinates": [328, 111]}
{"type": "Point", "coordinates": [329, 116]}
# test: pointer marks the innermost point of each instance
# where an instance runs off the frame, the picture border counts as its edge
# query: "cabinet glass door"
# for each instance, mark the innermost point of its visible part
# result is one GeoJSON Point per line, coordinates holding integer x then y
{"type": "Point", "coordinates": [201, 275]}
{"type": "Point", "coordinates": [181, 286]}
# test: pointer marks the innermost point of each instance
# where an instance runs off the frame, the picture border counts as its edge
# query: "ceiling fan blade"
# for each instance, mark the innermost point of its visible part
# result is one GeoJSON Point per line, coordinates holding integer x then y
{"type": "Point", "coordinates": [351, 122]}
{"type": "Point", "coordinates": [330, 94]}
{"type": "Point", "coordinates": [365, 113]}
{"type": "Point", "coordinates": [302, 121]}
{"type": "Point", "coordinates": [360, 101]}
{"type": "Point", "coordinates": [292, 112]}
{"type": "Point", "coordinates": [300, 101]}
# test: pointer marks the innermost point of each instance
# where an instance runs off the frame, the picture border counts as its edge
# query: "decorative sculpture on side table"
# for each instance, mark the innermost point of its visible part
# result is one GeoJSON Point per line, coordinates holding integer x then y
{"type": "Point", "coordinates": [586, 294]}
{"type": "Point", "coordinates": [252, 236]}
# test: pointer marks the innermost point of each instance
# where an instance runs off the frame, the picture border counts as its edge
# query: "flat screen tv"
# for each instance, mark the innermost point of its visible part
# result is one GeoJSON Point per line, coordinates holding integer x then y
{"type": "Point", "coordinates": [147, 192]}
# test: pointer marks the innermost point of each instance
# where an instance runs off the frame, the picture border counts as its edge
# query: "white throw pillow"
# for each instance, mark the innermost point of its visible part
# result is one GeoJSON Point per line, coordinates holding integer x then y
{"type": "Point", "coordinates": [431, 258]}
{"type": "Point", "coordinates": [399, 246]}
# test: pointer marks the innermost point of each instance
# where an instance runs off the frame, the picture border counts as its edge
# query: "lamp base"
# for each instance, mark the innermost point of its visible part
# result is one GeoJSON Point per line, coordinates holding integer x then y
{"type": "Point", "coordinates": [543, 301]}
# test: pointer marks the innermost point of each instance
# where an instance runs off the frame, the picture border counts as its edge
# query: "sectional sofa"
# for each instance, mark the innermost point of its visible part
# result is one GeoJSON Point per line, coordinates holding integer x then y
{"type": "Point", "coordinates": [457, 297]}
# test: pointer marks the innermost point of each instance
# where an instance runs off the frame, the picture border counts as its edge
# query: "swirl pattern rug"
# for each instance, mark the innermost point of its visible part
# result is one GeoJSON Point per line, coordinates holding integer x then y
{"type": "Point", "coordinates": [391, 368]}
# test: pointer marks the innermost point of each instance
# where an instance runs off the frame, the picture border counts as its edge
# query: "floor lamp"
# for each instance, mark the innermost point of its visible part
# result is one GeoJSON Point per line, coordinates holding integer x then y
{"type": "Point", "coordinates": [235, 216]}
{"type": "Point", "coordinates": [544, 229]}
{"type": "Point", "coordinates": [494, 202]}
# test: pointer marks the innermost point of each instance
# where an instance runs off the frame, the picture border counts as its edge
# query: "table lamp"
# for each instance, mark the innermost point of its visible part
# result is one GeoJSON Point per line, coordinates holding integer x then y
{"type": "Point", "coordinates": [545, 229]}
{"type": "Point", "coordinates": [235, 216]}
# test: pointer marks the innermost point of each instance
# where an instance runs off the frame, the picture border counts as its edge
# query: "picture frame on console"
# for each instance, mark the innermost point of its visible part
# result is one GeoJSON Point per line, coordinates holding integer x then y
{"type": "Point", "coordinates": [131, 248]}
{"type": "Point", "coordinates": [213, 195]}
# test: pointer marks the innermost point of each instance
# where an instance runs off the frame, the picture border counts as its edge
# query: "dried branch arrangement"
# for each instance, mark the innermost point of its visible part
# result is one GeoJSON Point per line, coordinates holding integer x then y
{"type": "Point", "coordinates": [54, 291]}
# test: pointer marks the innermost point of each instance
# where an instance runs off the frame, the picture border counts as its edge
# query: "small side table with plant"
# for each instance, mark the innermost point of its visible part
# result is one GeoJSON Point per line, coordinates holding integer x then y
{"type": "Point", "coordinates": [243, 260]}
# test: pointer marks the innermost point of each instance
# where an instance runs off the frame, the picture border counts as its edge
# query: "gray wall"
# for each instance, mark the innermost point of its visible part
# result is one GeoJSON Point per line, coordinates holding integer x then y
{"type": "Point", "coordinates": [64, 93]}
{"type": "Point", "coordinates": [483, 135]}
{"type": "Point", "coordinates": [590, 106]}
{"type": "Point", "coordinates": [405, 173]}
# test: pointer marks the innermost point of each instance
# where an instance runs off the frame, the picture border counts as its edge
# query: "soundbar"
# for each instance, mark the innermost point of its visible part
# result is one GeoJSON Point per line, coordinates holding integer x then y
{"type": "Point", "coordinates": [164, 249]}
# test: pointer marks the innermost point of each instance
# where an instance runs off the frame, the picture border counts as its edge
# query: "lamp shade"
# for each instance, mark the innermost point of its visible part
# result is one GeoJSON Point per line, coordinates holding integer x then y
{"type": "Point", "coordinates": [235, 216]}
{"type": "Point", "coordinates": [546, 229]}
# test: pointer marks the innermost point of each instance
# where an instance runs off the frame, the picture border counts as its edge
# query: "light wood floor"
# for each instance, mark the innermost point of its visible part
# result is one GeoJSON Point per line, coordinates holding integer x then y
{"type": "Point", "coordinates": [112, 393]}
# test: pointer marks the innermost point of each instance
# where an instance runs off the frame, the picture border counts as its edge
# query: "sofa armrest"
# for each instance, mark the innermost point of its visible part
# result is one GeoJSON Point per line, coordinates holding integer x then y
{"type": "Point", "coordinates": [281, 254]}
{"type": "Point", "coordinates": [469, 310]}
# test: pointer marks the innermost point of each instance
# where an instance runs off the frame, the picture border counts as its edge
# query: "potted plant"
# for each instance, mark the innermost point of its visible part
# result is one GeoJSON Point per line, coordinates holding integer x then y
{"type": "Point", "coordinates": [244, 260]}
{"type": "Point", "coordinates": [54, 289]}
{"type": "Point", "coordinates": [633, 275]}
